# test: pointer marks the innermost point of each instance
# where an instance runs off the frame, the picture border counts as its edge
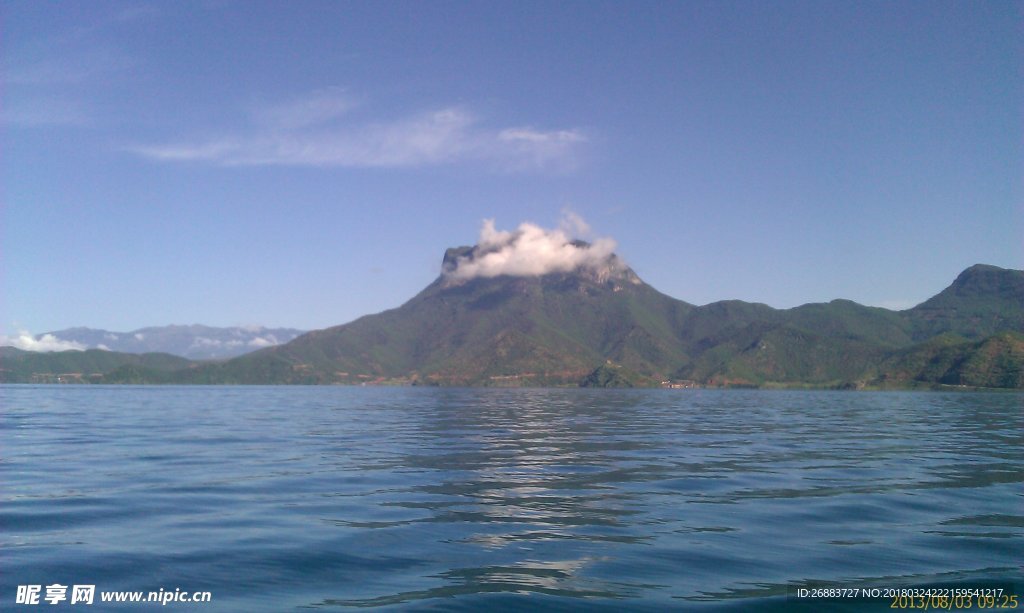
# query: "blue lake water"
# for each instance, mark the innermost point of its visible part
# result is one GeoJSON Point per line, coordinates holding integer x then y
{"type": "Point", "coordinates": [298, 498]}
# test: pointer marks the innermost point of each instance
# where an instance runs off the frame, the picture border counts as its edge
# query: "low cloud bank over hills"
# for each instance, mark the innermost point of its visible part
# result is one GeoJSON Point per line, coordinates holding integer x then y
{"type": "Point", "coordinates": [195, 342]}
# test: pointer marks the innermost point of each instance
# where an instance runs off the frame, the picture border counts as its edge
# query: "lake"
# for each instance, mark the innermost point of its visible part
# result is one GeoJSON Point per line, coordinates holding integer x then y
{"type": "Point", "coordinates": [298, 498]}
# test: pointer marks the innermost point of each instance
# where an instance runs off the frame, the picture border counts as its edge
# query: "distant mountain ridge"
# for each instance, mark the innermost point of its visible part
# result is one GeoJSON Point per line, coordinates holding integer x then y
{"type": "Point", "coordinates": [601, 325]}
{"type": "Point", "coordinates": [195, 341]}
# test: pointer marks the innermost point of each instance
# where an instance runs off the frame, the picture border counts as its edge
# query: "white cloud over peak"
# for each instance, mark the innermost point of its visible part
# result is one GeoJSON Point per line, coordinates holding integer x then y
{"type": "Point", "coordinates": [318, 130]}
{"type": "Point", "coordinates": [573, 224]}
{"type": "Point", "coordinates": [45, 343]}
{"type": "Point", "coordinates": [531, 250]}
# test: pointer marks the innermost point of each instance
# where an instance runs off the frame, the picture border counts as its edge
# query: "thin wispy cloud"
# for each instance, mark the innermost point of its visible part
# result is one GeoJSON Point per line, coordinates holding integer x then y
{"type": "Point", "coordinates": [201, 342]}
{"type": "Point", "coordinates": [320, 130]}
{"type": "Point", "coordinates": [316, 108]}
{"type": "Point", "coordinates": [49, 87]}
{"type": "Point", "coordinates": [541, 149]}
{"type": "Point", "coordinates": [131, 14]}
{"type": "Point", "coordinates": [47, 111]}
{"type": "Point", "coordinates": [66, 68]}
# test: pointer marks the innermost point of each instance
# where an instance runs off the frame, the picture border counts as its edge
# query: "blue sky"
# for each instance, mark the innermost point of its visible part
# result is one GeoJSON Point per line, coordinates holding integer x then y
{"type": "Point", "coordinates": [305, 163]}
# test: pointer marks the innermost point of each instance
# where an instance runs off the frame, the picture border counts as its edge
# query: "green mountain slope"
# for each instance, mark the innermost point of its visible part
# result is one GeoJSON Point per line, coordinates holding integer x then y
{"type": "Point", "coordinates": [764, 353]}
{"type": "Point", "coordinates": [982, 301]}
{"type": "Point", "coordinates": [549, 330]}
{"type": "Point", "coordinates": [844, 319]}
{"type": "Point", "coordinates": [996, 362]}
{"type": "Point", "coordinates": [92, 366]}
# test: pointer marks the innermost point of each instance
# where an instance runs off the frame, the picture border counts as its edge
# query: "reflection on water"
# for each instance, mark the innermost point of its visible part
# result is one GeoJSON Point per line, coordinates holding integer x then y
{"type": "Point", "coordinates": [275, 498]}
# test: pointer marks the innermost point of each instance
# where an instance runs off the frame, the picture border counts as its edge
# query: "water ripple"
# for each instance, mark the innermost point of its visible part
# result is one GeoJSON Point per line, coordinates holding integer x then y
{"type": "Point", "coordinates": [287, 498]}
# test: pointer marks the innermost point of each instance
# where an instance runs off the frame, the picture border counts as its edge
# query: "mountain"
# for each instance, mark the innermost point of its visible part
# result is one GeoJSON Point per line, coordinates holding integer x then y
{"type": "Point", "coordinates": [982, 301]}
{"type": "Point", "coordinates": [505, 330]}
{"type": "Point", "coordinates": [195, 342]}
{"type": "Point", "coordinates": [996, 362]}
{"type": "Point", "coordinates": [779, 353]}
{"type": "Point", "coordinates": [588, 319]}
{"type": "Point", "coordinates": [842, 343]}
{"type": "Point", "coordinates": [606, 327]}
